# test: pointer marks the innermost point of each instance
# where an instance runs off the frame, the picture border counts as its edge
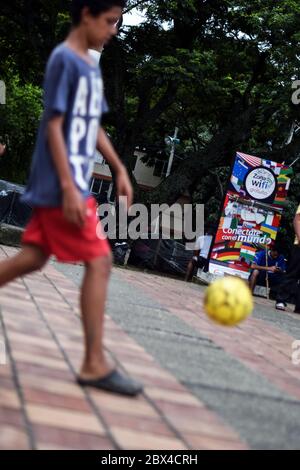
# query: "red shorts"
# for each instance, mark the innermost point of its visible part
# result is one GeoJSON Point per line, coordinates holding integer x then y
{"type": "Point", "coordinates": [49, 230]}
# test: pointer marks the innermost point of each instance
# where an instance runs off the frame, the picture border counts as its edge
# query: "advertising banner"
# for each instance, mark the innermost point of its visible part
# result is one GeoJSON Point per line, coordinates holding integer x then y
{"type": "Point", "coordinates": [251, 213]}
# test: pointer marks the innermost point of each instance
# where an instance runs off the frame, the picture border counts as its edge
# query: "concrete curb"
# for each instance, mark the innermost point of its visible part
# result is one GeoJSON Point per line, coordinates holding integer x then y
{"type": "Point", "coordinates": [10, 235]}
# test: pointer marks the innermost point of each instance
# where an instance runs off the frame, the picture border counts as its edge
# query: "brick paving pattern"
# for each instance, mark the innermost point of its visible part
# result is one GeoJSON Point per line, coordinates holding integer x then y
{"type": "Point", "coordinates": [41, 407]}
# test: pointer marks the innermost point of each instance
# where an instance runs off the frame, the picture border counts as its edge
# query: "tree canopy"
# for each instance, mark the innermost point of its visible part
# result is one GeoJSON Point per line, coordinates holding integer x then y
{"type": "Point", "coordinates": [221, 71]}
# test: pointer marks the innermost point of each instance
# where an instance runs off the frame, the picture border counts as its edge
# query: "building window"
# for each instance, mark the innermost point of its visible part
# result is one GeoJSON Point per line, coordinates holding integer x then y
{"type": "Point", "coordinates": [134, 161]}
{"type": "Point", "coordinates": [113, 193]}
{"type": "Point", "coordinates": [100, 188]}
{"type": "Point", "coordinates": [160, 168]}
{"type": "Point", "coordinates": [105, 189]}
{"type": "Point", "coordinates": [96, 186]}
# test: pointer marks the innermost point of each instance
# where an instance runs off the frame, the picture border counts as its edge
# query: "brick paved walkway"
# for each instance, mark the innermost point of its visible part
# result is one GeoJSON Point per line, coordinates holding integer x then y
{"type": "Point", "coordinates": [42, 408]}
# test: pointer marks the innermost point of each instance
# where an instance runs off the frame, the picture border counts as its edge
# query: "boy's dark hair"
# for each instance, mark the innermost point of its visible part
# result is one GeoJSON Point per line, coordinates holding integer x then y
{"type": "Point", "coordinates": [96, 7]}
{"type": "Point", "coordinates": [276, 247]}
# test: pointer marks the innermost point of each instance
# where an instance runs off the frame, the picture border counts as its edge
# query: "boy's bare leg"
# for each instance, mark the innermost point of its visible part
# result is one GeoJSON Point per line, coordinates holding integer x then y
{"type": "Point", "coordinates": [93, 298]}
{"type": "Point", "coordinates": [190, 270]}
{"type": "Point", "coordinates": [29, 259]}
{"type": "Point", "coordinates": [253, 280]}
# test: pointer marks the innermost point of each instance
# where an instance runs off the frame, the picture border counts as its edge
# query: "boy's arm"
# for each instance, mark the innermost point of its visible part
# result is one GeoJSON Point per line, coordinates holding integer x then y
{"type": "Point", "coordinates": [263, 268]}
{"type": "Point", "coordinates": [2, 149]}
{"type": "Point", "coordinates": [73, 204]}
{"type": "Point", "coordinates": [105, 147]}
{"type": "Point", "coordinates": [259, 268]}
{"type": "Point", "coordinates": [297, 225]}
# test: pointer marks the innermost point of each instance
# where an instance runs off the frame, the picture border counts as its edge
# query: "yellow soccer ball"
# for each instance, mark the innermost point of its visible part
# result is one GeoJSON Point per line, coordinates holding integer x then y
{"type": "Point", "coordinates": [228, 301]}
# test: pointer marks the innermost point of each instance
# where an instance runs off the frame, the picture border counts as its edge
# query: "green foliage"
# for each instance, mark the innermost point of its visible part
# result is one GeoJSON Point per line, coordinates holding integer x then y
{"type": "Point", "coordinates": [220, 70]}
{"type": "Point", "coordinates": [19, 120]}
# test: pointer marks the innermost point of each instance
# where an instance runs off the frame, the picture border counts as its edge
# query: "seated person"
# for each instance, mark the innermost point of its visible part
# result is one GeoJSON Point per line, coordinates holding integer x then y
{"type": "Point", "coordinates": [274, 264]}
{"type": "Point", "coordinates": [200, 258]}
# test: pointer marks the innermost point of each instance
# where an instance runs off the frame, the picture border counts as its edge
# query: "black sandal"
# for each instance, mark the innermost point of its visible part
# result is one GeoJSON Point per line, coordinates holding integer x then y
{"type": "Point", "coordinates": [114, 382]}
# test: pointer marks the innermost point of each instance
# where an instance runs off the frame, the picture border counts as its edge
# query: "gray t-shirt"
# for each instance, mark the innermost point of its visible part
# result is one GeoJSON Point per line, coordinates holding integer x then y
{"type": "Point", "coordinates": [72, 87]}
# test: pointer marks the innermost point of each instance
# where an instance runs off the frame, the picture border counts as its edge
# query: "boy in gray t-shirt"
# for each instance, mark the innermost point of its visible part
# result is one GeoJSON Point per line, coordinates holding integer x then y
{"type": "Point", "coordinates": [64, 221]}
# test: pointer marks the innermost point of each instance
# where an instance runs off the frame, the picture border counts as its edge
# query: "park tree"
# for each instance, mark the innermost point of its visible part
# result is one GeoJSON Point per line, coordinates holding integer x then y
{"type": "Point", "coordinates": [221, 71]}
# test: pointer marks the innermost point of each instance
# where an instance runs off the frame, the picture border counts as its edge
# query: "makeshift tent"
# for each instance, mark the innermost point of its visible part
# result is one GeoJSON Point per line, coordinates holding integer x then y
{"type": "Point", "coordinates": [12, 210]}
{"type": "Point", "coordinates": [168, 256]}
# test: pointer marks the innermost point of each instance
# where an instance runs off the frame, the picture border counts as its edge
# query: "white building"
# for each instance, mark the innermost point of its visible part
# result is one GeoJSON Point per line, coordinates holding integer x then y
{"type": "Point", "coordinates": [146, 177]}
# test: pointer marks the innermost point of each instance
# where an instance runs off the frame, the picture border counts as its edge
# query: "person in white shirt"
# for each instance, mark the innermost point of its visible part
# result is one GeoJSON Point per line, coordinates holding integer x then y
{"type": "Point", "coordinates": [200, 258]}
